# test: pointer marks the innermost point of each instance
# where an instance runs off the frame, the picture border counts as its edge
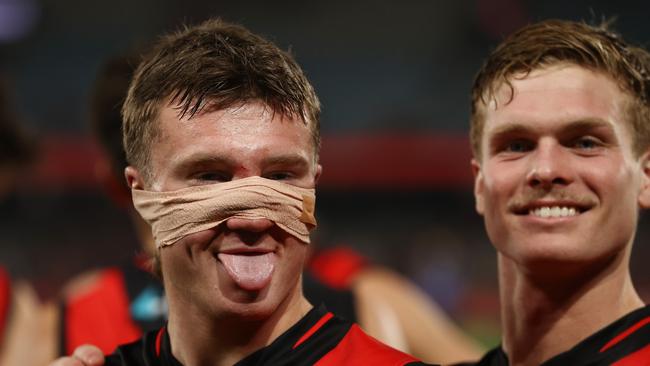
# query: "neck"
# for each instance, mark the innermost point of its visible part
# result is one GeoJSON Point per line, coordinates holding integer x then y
{"type": "Point", "coordinates": [543, 316]}
{"type": "Point", "coordinates": [197, 339]}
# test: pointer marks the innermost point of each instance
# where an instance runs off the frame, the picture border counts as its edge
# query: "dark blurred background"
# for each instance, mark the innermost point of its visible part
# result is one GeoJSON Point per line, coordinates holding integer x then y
{"type": "Point", "coordinates": [393, 78]}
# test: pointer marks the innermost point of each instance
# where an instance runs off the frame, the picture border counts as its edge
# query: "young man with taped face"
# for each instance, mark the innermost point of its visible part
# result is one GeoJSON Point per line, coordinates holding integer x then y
{"type": "Point", "coordinates": [91, 313]}
{"type": "Point", "coordinates": [560, 131]}
{"type": "Point", "coordinates": [221, 131]}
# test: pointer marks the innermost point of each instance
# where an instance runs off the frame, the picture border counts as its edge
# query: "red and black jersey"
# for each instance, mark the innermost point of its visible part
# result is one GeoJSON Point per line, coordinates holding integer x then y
{"type": "Point", "coordinates": [125, 302]}
{"type": "Point", "coordinates": [5, 301]}
{"type": "Point", "coordinates": [625, 342]}
{"type": "Point", "coordinates": [319, 338]}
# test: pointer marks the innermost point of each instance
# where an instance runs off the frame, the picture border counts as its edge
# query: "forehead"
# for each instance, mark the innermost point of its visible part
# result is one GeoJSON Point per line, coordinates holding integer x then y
{"type": "Point", "coordinates": [235, 121]}
{"type": "Point", "coordinates": [553, 96]}
{"type": "Point", "coordinates": [242, 132]}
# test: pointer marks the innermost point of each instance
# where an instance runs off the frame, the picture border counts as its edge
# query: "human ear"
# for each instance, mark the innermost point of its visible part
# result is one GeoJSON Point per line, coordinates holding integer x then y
{"type": "Point", "coordinates": [478, 186]}
{"type": "Point", "coordinates": [644, 194]}
{"type": "Point", "coordinates": [319, 171]}
{"type": "Point", "coordinates": [133, 177]}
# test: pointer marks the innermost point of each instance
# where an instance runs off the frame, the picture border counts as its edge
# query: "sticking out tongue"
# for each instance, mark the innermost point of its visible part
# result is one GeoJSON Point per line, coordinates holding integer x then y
{"type": "Point", "coordinates": [250, 272]}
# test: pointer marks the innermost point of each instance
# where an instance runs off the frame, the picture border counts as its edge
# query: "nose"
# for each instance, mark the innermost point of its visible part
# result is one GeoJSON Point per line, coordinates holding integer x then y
{"type": "Point", "coordinates": [249, 225]}
{"type": "Point", "coordinates": [549, 166]}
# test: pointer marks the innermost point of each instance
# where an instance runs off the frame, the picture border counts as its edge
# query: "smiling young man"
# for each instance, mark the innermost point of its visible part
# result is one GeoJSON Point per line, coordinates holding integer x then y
{"type": "Point", "coordinates": [221, 133]}
{"type": "Point", "coordinates": [560, 131]}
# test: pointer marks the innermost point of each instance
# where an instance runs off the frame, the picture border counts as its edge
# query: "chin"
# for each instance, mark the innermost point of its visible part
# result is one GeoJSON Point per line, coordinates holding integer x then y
{"type": "Point", "coordinates": [253, 304]}
{"type": "Point", "coordinates": [560, 259]}
{"type": "Point", "coordinates": [252, 311]}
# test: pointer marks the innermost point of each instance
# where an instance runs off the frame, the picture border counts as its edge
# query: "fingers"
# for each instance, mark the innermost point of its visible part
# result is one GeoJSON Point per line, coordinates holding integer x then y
{"type": "Point", "coordinates": [85, 355]}
{"type": "Point", "coordinates": [67, 361]}
{"type": "Point", "coordinates": [89, 355]}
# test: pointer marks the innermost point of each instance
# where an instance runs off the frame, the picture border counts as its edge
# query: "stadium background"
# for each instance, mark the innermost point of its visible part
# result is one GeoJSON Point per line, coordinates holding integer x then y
{"type": "Point", "coordinates": [393, 77]}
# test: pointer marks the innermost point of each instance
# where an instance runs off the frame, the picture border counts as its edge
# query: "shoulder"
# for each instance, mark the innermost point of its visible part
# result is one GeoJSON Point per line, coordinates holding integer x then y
{"type": "Point", "coordinates": [624, 342]}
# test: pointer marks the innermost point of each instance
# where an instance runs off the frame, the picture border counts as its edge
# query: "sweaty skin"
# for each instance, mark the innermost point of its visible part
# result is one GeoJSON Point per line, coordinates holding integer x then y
{"type": "Point", "coordinates": [560, 189]}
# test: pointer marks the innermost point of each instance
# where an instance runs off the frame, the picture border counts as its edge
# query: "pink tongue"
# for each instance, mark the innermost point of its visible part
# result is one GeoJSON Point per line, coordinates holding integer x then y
{"type": "Point", "coordinates": [250, 272]}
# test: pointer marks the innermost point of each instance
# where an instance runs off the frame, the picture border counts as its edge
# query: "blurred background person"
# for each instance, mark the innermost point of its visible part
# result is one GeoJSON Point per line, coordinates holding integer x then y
{"type": "Point", "coordinates": [25, 323]}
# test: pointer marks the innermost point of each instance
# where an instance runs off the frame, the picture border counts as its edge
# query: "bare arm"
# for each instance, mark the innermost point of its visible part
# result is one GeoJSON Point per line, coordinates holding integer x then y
{"type": "Point", "coordinates": [396, 312]}
{"type": "Point", "coordinates": [30, 337]}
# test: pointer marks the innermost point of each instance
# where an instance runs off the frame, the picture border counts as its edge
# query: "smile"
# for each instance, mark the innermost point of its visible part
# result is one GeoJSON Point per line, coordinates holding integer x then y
{"type": "Point", "coordinates": [554, 211]}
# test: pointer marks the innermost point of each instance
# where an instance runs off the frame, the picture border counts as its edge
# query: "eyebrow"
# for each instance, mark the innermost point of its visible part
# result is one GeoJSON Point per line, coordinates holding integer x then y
{"type": "Point", "coordinates": [293, 160]}
{"type": "Point", "coordinates": [203, 160]}
{"type": "Point", "coordinates": [575, 126]}
{"type": "Point", "coordinates": [588, 124]}
{"type": "Point", "coordinates": [286, 160]}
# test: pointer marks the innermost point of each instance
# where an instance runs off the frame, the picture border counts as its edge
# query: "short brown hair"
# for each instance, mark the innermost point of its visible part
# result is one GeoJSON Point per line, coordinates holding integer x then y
{"type": "Point", "coordinates": [559, 41]}
{"type": "Point", "coordinates": [212, 65]}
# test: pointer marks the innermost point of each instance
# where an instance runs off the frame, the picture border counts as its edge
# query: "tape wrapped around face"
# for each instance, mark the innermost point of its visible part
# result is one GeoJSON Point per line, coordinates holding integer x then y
{"type": "Point", "coordinates": [176, 214]}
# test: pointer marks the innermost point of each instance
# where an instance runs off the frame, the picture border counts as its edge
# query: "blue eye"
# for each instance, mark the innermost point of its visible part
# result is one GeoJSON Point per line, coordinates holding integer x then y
{"type": "Point", "coordinates": [586, 143]}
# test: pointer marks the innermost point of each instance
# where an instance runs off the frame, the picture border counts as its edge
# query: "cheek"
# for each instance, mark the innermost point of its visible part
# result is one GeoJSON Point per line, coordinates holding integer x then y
{"type": "Point", "coordinates": [174, 266]}
{"type": "Point", "coordinates": [179, 259]}
{"type": "Point", "coordinates": [612, 181]}
{"type": "Point", "coordinates": [168, 256]}
{"type": "Point", "coordinates": [197, 242]}
{"type": "Point", "coordinates": [500, 184]}
{"type": "Point", "coordinates": [292, 264]}
{"type": "Point", "coordinates": [296, 254]}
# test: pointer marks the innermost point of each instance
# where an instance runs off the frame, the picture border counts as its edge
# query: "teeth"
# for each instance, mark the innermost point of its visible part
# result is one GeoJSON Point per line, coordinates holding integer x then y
{"type": "Point", "coordinates": [555, 211]}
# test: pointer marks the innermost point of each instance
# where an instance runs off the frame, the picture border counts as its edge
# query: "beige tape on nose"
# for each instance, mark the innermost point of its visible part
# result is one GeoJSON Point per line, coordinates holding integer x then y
{"type": "Point", "coordinates": [176, 214]}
